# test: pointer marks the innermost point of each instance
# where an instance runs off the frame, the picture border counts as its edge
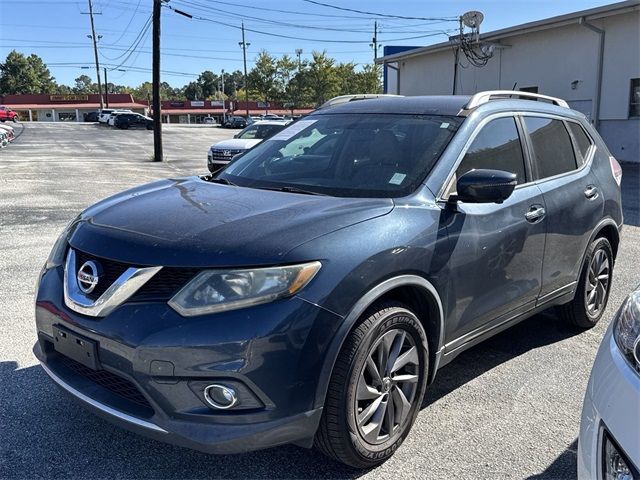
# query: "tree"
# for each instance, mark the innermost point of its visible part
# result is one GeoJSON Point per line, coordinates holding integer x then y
{"type": "Point", "coordinates": [321, 79]}
{"type": "Point", "coordinates": [20, 74]}
{"type": "Point", "coordinates": [85, 85]}
{"type": "Point", "coordinates": [368, 80]}
{"type": "Point", "coordinates": [263, 77]}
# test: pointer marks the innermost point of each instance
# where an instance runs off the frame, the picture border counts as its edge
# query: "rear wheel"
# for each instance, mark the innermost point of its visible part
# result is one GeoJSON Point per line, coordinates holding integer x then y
{"type": "Point", "coordinates": [376, 388]}
{"type": "Point", "coordinates": [592, 294]}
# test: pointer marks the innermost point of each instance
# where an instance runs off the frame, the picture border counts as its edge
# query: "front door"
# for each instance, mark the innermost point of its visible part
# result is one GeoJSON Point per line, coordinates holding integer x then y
{"type": "Point", "coordinates": [496, 249]}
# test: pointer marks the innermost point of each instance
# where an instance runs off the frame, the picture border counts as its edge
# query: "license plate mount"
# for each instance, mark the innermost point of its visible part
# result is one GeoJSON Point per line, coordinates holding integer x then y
{"type": "Point", "coordinates": [81, 349]}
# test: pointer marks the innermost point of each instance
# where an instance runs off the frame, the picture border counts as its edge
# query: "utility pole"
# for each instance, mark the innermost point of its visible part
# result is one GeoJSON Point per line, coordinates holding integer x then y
{"type": "Point", "coordinates": [155, 80]}
{"type": "Point", "coordinates": [298, 53]}
{"type": "Point", "coordinates": [224, 112]}
{"type": "Point", "coordinates": [106, 88]}
{"type": "Point", "coordinates": [244, 46]}
{"type": "Point", "coordinates": [375, 41]}
{"type": "Point", "coordinates": [457, 59]}
{"type": "Point", "coordinates": [95, 52]}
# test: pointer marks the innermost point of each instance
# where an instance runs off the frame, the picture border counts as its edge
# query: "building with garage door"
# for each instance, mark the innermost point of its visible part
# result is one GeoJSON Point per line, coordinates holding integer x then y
{"type": "Point", "coordinates": [590, 58]}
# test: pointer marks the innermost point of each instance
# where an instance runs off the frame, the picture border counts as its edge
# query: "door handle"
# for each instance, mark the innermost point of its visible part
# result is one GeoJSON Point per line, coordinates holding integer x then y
{"type": "Point", "coordinates": [591, 192]}
{"type": "Point", "coordinates": [535, 213]}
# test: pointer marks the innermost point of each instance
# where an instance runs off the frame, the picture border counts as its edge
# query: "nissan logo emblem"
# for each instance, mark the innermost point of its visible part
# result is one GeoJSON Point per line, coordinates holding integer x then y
{"type": "Point", "coordinates": [88, 276]}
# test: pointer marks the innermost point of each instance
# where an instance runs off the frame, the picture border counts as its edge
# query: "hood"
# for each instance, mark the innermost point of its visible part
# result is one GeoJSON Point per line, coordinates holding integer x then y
{"type": "Point", "coordinates": [236, 144]}
{"type": "Point", "coordinates": [192, 222]}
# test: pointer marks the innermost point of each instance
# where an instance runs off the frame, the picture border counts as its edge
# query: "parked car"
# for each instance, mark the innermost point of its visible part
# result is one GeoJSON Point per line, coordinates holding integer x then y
{"type": "Point", "coordinates": [7, 114]}
{"type": "Point", "coordinates": [91, 116]}
{"type": "Point", "coordinates": [133, 120]}
{"type": "Point", "coordinates": [221, 153]}
{"type": "Point", "coordinates": [104, 114]}
{"type": "Point", "coordinates": [235, 121]}
{"type": "Point", "coordinates": [311, 297]}
{"type": "Point", "coordinates": [112, 118]}
{"type": "Point", "coordinates": [209, 120]}
{"type": "Point", "coordinates": [9, 131]}
{"type": "Point", "coordinates": [270, 116]}
{"type": "Point", "coordinates": [609, 444]}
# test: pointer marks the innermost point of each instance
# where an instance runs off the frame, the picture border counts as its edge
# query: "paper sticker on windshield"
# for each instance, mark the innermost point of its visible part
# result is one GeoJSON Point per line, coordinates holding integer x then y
{"type": "Point", "coordinates": [293, 130]}
{"type": "Point", "coordinates": [397, 178]}
{"type": "Point", "coordinates": [444, 125]}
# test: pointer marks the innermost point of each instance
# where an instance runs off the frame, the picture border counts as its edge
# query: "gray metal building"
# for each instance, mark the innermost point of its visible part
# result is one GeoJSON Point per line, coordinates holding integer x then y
{"type": "Point", "coordinates": [591, 58]}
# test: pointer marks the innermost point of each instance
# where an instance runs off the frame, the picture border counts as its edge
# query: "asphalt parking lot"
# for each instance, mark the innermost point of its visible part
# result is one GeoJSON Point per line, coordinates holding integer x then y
{"type": "Point", "coordinates": [508, 408]}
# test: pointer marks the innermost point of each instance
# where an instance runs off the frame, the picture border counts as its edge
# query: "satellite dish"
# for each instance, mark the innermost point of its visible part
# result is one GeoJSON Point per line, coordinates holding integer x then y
{"type": "Point", "coordinates": [472, 19]}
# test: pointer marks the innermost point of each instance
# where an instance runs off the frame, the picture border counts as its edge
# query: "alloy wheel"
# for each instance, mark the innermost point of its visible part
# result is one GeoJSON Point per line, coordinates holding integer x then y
{"type": "Point", "coordinates": [387, 386]}
{"type": "Point", "coordinates": [597, 283]}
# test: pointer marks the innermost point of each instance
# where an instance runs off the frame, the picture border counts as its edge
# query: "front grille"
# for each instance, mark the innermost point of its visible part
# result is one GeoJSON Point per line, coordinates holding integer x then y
{"type": "Point", "coordinates": [161, 287]}
{"type": "Point", "coordinates": [110, 381]}
{"type": "Point", "coordinates": [111, 270]}
{"type": "Point", "coordinates": [223, 155]}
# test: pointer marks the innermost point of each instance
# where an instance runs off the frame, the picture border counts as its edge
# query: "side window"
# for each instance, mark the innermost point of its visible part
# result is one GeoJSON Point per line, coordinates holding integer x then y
{"type": "Point", "coordinates": [582, 140]}
{"type": "Point", "coordinates": [552, 146]}
{"type": "Point", "coordinates": [497, 147]}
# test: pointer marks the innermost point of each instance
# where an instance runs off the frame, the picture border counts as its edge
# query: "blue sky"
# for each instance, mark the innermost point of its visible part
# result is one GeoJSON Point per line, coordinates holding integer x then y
{"type": "Point", "coordinates": [57, 31]}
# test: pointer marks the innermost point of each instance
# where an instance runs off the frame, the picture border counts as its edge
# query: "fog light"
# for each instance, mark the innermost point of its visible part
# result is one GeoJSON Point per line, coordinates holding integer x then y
{"type": "Point", "coordinates": [220, 397]}
{"type": "Point", "coordinates": [614, 464]}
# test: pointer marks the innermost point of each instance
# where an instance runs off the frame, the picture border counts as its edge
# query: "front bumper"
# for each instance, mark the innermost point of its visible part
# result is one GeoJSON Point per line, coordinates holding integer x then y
{"type": "Point", "coordinates": [611, 405]}
{"type": "Point", "coordinates": [270, 353]}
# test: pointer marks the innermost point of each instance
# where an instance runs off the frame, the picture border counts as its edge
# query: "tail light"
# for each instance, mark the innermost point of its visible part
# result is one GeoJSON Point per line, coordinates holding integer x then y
{"type": "Point", "coordinates": [616, 170]}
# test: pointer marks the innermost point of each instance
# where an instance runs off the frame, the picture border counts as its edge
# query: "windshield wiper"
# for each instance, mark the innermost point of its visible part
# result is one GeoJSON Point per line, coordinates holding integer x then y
{"type": "Point", "coordinates": [223, 181]}
{"type": "Point", "coordinates": [293, 190]}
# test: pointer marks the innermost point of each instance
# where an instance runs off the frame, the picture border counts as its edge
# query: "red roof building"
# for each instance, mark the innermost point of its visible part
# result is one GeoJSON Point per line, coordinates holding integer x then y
{"type": "Point", "coordinates": [74, 107]}
{"type": "Point", "coordinates": [67, 107]}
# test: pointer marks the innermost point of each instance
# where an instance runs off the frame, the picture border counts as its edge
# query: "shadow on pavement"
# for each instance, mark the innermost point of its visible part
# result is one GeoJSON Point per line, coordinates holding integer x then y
{"type": "Point", "coordinates": [562, 467]}
{"type": "Point", "coordinates": [540, 330]}
{"type": "Point", "coordinates": [44, 434]}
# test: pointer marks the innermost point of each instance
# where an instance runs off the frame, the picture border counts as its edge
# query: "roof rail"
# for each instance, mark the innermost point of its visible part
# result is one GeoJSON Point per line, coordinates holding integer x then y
{"type": "Point", "coordinates": [351, 98]}
{"type": "Point", "coordinates": [481, 98]}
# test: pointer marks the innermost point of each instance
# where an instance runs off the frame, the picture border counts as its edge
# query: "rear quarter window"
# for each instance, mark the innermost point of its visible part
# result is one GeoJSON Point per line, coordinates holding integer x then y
{"type": "Point", "coordinates": [583, 142]}
{"type": "Point", "coordinates": [553, 150]}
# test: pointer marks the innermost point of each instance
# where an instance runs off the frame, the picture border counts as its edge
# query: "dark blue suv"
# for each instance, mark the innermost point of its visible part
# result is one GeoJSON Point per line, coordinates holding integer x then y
{"type": "Point", "coordinates": [310, 291]}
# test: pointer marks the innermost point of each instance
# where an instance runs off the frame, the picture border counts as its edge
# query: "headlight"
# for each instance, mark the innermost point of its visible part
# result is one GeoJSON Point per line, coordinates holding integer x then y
{"type": "Point", "coordinates": [219, 290]}
{"type": "Point", "coordinates": [626, 330]}
{"type": "Point", "coordinates": [56, 257]}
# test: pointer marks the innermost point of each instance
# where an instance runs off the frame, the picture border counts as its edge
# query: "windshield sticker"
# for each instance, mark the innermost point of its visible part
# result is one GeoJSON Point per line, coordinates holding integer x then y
{"type": "Point", "coordinates": [444, 125]}
{"type": "Point", "coordinates": [293, 130]}
{"type": "Point", "coordinates": [397, 178]}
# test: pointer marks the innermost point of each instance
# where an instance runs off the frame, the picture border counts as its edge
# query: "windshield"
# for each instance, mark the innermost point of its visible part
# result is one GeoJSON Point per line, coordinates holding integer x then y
{"type": "Point", "coordinates": [347, 155]}
{"type": "Point", "coordinates": [261, 132]}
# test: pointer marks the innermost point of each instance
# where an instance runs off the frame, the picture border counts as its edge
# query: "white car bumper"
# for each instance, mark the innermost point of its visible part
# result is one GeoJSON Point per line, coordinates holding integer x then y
{"type": "Point", "coordinates": [611, 405]}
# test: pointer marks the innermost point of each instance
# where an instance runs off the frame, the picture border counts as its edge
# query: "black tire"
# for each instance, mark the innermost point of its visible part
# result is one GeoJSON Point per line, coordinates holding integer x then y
{"type": "Point", "coordinates": [579, 311]}
{"type": "Point", "coordinates": [15, 119]}
{"type": "Point", "coordinates": [339, 436]}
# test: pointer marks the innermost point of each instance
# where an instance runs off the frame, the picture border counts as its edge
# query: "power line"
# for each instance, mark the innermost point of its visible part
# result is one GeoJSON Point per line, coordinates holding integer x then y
{"type": "Point", "coordinates": [321, 40]}
{"type": "Point", "coordinates": [384, 15]}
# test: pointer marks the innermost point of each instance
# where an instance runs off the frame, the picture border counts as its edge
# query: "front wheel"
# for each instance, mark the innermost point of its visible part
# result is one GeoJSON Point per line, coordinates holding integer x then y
{"type": "Point", "coordinates": [592, 293]}
{"type": "Point", "coordinates": [15, 119]}
{"type": "Point", "coordinates": [376, 388]}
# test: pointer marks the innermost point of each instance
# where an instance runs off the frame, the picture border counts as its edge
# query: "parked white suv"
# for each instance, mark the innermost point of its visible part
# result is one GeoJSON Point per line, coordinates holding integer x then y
{"type": "Point", "coordinates": [222, 152]}
{"type": "Point", "coordinates": [104, 114]}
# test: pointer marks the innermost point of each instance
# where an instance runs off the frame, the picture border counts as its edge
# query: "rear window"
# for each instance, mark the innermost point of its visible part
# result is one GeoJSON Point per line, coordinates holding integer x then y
{"type": "Point", "coordinates": [553, 151]}
{"type": "Point", "coordinates": [583, 141]}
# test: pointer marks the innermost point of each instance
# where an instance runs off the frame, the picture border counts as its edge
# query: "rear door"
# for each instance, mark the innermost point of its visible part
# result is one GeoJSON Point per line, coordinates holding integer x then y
{"type": "Point", "coordinates": [496, 249]}
{"type": "Point", "coordinates": [573, 202]}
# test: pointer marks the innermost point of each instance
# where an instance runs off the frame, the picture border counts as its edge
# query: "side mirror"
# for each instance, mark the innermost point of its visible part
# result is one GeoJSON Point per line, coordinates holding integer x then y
{"type": "Point", "coordinates": [236, 135]}
{"type": "Point", "coordinates": [485, 186]}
